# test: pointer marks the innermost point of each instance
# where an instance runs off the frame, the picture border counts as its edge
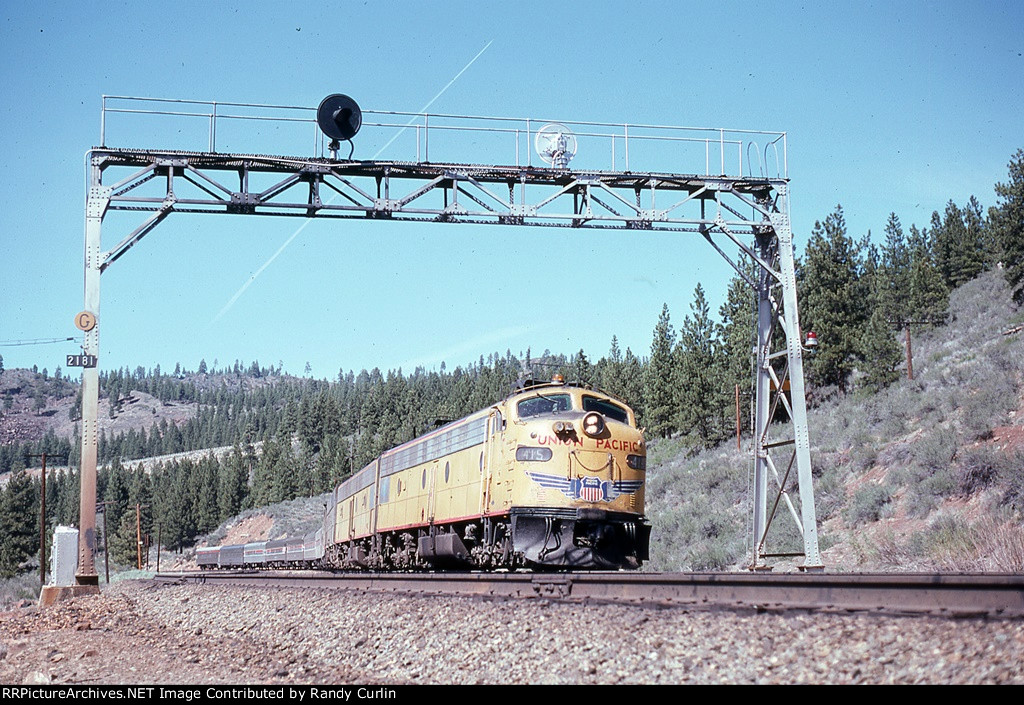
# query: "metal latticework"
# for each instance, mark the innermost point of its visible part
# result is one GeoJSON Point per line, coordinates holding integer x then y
{"type": "Point", "coordinates": [734, 212]}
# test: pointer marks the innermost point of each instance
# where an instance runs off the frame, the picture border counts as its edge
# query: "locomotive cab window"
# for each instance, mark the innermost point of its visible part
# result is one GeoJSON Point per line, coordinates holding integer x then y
{"type": "Point", "coordinates": [548, 404]}
{"type": "Point", "coordinates": [605, 407]}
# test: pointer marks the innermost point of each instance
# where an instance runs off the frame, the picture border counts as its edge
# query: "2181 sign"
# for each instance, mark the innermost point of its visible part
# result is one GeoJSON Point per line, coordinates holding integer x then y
{"type": "Point", "coordinates": [81, 361]}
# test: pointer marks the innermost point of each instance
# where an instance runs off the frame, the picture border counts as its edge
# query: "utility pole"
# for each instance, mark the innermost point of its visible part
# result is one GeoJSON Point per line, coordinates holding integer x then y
{"type": "Point", "coordinates": [910, 356]}
{"type": "Point", "coordinates": [138, 533]}
{"type": "Point", "coordinates": [42, 515]}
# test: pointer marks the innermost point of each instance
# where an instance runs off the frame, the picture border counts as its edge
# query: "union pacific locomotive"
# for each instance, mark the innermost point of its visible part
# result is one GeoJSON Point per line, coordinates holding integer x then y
{"type": "Point", "coordinates": [552, 477]}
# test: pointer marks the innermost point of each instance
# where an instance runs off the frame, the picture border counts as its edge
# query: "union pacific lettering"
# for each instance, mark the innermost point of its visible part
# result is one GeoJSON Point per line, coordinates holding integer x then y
{"type": "Point", "coordinates": [555, 441]}
{"type": "Point", "coordinates": [602, 443]}
{"type": "Point", "coordinates": [616, 444]}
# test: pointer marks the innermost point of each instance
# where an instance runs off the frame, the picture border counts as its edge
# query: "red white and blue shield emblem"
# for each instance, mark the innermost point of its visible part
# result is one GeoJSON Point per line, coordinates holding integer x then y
{"type": "Point", "coordinates": [591, 489]}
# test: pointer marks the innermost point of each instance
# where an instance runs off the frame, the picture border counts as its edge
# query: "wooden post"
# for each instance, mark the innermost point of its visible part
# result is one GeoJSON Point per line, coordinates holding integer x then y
{"type": "Point", "coordinates": [42, 528]}
{"type": "Point", "coordinates": [42, 517]}
{"type": "Point", "coordinates": [910, 356]}
{"type": "Point", "coordinates": [138, 536]}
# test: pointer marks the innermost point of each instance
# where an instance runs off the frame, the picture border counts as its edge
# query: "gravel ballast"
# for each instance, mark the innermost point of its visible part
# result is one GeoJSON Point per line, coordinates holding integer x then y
{"type": "Point", "coordinates": [141, 633]}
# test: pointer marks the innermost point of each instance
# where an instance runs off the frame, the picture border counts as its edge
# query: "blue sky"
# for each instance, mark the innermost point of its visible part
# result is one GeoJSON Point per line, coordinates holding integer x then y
{"type": "Point", "coordinates": [888, 107]}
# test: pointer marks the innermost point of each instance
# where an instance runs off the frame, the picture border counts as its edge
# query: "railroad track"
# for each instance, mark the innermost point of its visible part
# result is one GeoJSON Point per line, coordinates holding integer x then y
{"type": "Point", "coordinates": [952, 595]}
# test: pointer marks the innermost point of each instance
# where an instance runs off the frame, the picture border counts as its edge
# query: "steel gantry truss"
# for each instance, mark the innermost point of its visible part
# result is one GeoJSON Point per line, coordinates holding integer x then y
{"type": "Point", "coordinates": [747, 214]}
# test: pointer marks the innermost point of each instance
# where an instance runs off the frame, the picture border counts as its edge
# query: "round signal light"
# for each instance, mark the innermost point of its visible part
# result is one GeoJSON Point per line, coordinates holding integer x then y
{"type": "Point", "coordinates": [593, 424]}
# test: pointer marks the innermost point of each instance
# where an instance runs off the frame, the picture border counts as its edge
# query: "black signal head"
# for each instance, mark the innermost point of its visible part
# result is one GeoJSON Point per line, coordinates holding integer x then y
{"type": "Point", "coordinates": [339, 117]}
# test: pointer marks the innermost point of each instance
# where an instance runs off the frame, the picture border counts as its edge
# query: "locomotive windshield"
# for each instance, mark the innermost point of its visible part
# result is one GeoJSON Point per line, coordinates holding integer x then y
{"type": "Point", "coordinates": [612, 411]}
{"type": "Point", "coordinates": [547, 404]}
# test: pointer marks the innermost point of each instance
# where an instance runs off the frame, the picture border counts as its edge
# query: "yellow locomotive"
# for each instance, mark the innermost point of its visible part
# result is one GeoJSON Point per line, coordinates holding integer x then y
{"type": "Point", "coordinates": [551, 477]}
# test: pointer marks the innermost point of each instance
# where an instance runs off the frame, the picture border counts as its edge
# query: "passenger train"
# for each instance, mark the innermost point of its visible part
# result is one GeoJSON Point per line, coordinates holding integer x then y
{"type": "Point", "coordinates": [552, 477]}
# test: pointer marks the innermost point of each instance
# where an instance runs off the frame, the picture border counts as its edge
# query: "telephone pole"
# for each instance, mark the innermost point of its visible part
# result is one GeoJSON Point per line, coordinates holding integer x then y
{"type": "Point", "coordinates": [42, 514]}
{"type": "Point", "coordinates": [138, 533]}
{"type": "Point", "coordinates": [906, 327]}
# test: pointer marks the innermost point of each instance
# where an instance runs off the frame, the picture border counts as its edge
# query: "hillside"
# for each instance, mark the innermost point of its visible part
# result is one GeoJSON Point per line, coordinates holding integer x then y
{"type": "Point", "coordinates": [35, 403]}
{"type": "Point", "coordinates": [927, 474]}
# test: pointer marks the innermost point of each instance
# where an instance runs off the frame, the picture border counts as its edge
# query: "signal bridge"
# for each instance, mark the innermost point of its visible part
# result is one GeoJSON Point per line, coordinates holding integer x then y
{"type": "Point", "coordinates": [733, 192]}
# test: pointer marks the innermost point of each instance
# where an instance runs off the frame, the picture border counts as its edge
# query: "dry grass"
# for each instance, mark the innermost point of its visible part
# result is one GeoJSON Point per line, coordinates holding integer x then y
{"type": "Point", "coordinates": [952, 544]}
{"type": "Point", "coordinates": [1003, 545]}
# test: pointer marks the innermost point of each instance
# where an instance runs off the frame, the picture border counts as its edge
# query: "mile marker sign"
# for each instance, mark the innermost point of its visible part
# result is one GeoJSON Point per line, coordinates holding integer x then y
{"type": "Point", "coordinates": [80, 360]}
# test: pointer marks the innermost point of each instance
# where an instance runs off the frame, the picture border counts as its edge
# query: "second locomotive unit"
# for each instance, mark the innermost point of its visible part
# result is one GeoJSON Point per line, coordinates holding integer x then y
{"type": "Point", "coordinates": [552, 477]}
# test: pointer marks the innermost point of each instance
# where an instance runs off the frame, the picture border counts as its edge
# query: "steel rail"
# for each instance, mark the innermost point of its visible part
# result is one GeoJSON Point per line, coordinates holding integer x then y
{"type": "Point", "coordinates": [998, 595]}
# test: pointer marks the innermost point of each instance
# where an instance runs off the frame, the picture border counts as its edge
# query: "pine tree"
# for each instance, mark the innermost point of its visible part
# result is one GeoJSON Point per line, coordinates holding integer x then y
{"type": "Point", "coordinates": [879, 352]}
{"type": "Point", "coordinates": [140, 491]}
{"type": "Point", "coordinates": [894, 272]}
{"type": "Point", "coordinates": [928, 295]}
{"type": "Point", "coordinates": [19, 534]}
{"type": "Point", "coordinates": [203, 485]}
{"type": "Point", "coordinates": [123, 542]}
{"type": "Point", "coordinates": [660, 400]}
{"type": "Point", "coordinates": [832, 300]}
{"type": "Point", "coordinates": [233, 483]}
{"type": "Point", "coordinates": [68, 490]}
{"type": "Point", "coordinates": [736, 334]}
{"type": "Point", "coordinates": [331, 464]}
{"type": "Point", "coordinates": [582, 369]}
{"type": "Point", "coordinates": [700, 384]}
{"type": "Point", "coordinates": [263, 476]}
{"type": "Point", "coordinates": [290, 477]}
{"type": "Point", "coordinates": [960, 251]}
{"type": "Point", "coordinates": [633, 385]}
{"type": "Point", "coordinates": [610, 370]}
{"type": "Point", "coordinates": [115, 491]}
{"type": "Point", "coordinates": [171, 504]}
{"type": "Point", "coordinates": [1006, 220]}
{"type": "Point", "coordinates": [980, 250]}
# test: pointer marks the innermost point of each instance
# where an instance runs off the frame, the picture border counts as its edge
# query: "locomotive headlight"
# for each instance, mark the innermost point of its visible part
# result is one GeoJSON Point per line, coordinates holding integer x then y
{"type": "Point", "coordinates": [593, 424]}
{"type": "Point", "coordinates": [533, 455]}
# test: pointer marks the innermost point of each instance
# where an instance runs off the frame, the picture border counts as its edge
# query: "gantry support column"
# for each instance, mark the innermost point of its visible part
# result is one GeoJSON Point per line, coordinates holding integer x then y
{"type": "Point", "coordinates": [778, 372]}
{"type": "Point", "coordinates": [798, 401]}
{"type": "Point", "coordinates": [96, 206]}
{"type": "Point", "coordinates": [762, 401]}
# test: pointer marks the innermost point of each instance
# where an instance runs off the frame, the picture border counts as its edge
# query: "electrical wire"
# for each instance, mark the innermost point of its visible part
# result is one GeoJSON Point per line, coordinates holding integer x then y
{"type": "Point", "coordinates": [34, 341]}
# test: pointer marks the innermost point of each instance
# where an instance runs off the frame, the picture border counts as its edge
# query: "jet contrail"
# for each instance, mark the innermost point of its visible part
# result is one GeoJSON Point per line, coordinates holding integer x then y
{"type": "Point", "coordinates": [258, 272]}
{"type": "Point", "coordinates": [248, 283]}
{"type": "Point", "coordinates": [431, 101]}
